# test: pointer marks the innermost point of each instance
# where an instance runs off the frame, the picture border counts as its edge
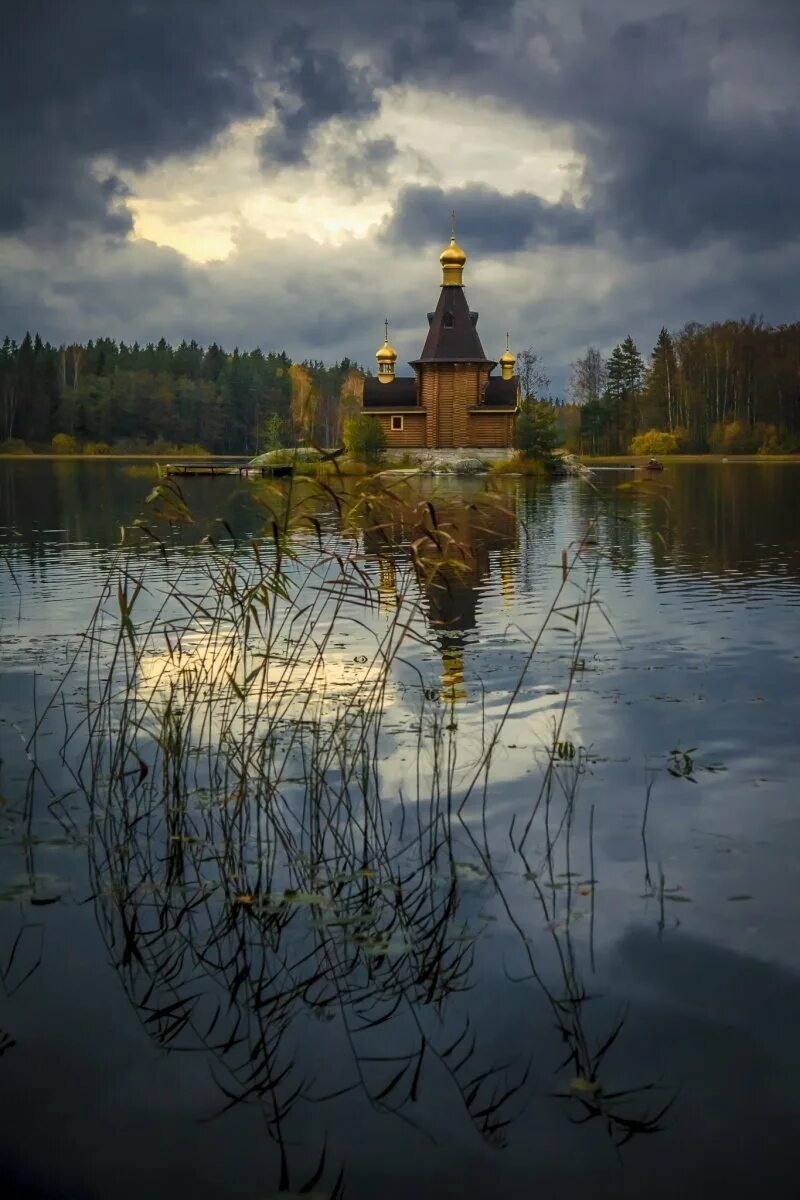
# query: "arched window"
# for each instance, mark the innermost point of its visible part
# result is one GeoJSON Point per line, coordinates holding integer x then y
{"type": "Point", "coordinates": [448, 320]}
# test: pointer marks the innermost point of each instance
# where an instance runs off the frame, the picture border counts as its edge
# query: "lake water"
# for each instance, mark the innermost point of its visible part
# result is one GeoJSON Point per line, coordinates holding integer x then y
{"type": "Point", "coordinates": [570, 963]}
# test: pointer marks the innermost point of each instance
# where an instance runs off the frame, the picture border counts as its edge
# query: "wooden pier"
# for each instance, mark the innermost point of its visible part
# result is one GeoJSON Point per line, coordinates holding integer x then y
{"type": "Point", "coordinates": [228, 466]}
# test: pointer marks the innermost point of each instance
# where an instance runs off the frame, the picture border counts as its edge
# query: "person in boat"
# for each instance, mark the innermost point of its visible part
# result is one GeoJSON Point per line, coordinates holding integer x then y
{"type": "Point", "coordinates": [653, 464]}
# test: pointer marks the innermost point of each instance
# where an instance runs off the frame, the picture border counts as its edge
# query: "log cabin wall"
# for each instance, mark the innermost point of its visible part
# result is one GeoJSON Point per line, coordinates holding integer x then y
{"type": "Point", "coordinates": [447, 392]}
{"type": "Point", "coordinates": [491, 429]}
{"type": "Point", "coordinates": [411, 435]}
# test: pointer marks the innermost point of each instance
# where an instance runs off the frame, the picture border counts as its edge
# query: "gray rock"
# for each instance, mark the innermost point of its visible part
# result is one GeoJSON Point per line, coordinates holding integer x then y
{"type": "Point", "coordinates": [457, 466]}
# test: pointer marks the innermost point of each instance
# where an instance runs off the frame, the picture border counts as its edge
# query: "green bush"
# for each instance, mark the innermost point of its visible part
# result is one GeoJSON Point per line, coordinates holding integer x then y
{"type": "Point", "coordinates": [65, 443]}
{"type": "Point", "coordinates": [536, 468]}
{"type": "Point", "coordinates": [274, 432]}
{"type": "Point", "coordinates": [96, 448]}
{"type": "Point", "coordinates": [131, 445]}
{"type": "Point", "coordinates": [535, 434]}
{"type": "Point", "coordinates": [364, 438]}
{"type": "Point", "coordinates": [15, 446]}
{"type": "Point", "coordinates": [734, 437]}
{"type": "Point", "coordinates": [774, 440]}
{"type": "Point", "coordinates": [289, 454]}
{"type": "Point", "coordinates": [655, 441]}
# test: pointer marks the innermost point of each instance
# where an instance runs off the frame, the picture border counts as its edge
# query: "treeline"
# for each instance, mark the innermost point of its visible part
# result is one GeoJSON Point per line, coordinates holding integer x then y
{"type": "Point", "coordinates": [732, 386]}
{"type": "Point", "coordinates": [109, 395]}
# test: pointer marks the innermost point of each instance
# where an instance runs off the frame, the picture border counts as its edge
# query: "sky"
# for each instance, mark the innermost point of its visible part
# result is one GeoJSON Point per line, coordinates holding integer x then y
{"type": "Point", "coordinates": [280, 173]}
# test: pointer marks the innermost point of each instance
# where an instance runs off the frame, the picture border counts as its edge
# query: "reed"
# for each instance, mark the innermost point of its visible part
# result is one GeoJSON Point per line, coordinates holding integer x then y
{"type": "Point", "coordinates": [261, 868]}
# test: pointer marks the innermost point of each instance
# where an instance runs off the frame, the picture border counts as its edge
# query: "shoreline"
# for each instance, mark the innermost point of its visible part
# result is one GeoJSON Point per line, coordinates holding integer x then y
{"type": "Point", "coordinates": [641, 459]}
{"type": "Point", "coordinates": [141, 457]}
{"type": "Point", "coordinates": [588, 459]}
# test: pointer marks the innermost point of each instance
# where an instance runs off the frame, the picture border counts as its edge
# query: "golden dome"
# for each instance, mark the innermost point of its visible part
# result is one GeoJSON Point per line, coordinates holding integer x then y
{"type": "Point", "coordinates": [386, 353]}
{"type": "Point", "coordinates": [508, 360]}
{"type": "Point", "coordinates": [452, 255]}
{"type": "Point", "coordinates": [452, 259]}
{"type": "Point", "coordinates": [386, 357]}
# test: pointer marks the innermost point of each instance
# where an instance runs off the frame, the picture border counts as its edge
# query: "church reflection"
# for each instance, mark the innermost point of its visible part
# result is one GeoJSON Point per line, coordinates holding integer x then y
{"type": "Point", "coordinates": [457, 544]}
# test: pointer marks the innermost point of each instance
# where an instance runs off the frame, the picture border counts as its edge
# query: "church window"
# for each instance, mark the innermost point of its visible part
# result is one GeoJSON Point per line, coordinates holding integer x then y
{"type": "Point", "coordinates": [448, 320]}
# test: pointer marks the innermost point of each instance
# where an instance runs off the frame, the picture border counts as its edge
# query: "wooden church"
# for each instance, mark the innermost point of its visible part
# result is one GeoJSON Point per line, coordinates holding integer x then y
{"type": "Point", "coordinates": [453, 400]}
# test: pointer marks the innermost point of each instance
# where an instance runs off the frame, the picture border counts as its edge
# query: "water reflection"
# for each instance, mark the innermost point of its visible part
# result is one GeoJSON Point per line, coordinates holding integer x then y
{"type": "Point", "coordinates": [731, 524]}
{"type": "Point", "coordinates": [455, 543]}
{"type": "Point", "coordinates": [404, 992]}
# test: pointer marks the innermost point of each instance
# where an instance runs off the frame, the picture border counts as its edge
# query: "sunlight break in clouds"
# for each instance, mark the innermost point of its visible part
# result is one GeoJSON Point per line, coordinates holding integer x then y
{"type": "Point", "coordinates": [195, 205]}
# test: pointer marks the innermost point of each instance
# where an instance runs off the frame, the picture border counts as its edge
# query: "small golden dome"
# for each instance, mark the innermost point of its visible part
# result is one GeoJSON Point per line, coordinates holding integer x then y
{"type": "Point", "coordinates": [452, 259]}
{"type": "Point", "coordinates": [386, 357]}
{"type": "Point", "coordinates": [386, 353]}
{"type": "Point", "coordinates": [452, 255]}
{"type": "Point", "coordinates": [508, 360]}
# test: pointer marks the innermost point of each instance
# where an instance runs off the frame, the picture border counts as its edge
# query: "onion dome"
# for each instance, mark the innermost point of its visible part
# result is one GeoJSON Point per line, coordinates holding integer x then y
{"type": "Point", "coordinates": [386, 357]}
{"type": "Point", "coordinates": [508, 360]}
{"type": "Point", "coordinates": [452, 259]}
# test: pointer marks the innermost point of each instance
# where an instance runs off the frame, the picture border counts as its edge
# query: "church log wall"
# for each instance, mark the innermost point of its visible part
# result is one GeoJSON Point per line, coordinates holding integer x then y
{"type": "Point", "coordinates": [491, 430]}
{"type": "Point", "coordinates": [412, 433]}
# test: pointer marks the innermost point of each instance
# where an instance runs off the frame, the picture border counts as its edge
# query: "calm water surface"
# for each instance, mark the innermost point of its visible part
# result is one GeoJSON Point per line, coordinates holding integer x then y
{"type": "Point", "coordinates": [610, 1008]}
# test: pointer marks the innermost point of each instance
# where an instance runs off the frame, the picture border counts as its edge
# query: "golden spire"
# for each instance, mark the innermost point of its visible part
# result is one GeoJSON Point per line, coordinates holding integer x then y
{"type": "Point", "coordinates": [452, 259]}
{"type": "Point", "coordinates": [387, 586]}
{"type": "Point", "coordinates": [453, 674]}
{"type": "Point", "coordinates": [386, 357]}
{"type": "Point", "coordinates": [508, 361]}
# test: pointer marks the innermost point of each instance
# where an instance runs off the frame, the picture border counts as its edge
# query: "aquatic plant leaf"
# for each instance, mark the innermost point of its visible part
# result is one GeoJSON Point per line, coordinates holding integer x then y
{"type": "Point", "coordinates": [589, 1087]}
{"type": "Point", "coordinates": [468, 870]}
{"type": "Point", "coordinates": [292, 897]}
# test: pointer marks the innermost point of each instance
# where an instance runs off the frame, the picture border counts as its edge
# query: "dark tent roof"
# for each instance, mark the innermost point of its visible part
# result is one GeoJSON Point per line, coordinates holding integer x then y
{"type": "Point", "coordinates": [499, 392]}
{"type": "Point", "coordinates": [400, 393]}
{"type": "Point", "coordinates": [453, 336]}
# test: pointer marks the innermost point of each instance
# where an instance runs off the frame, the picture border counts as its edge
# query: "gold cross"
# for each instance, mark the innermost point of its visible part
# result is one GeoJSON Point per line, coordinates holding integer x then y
{"type": "Point", "coordinates": [386, 330]}
{"type": "Point", "coordinates": [453, 225]}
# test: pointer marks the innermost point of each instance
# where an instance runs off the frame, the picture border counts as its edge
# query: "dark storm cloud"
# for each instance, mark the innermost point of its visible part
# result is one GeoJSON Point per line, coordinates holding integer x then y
{"type": "Point", "coordinates": [129, 80]}
{"type": "Point", "coordinates": [650, 100]}
{"type": "Point", "coordinates": [685, 115]}
{"type": "Point", "coordinates": [670, 153]}
{"type": "Point", "coordinates": [687, 119]}
{"type": "Point", "coordinates": [133, 81]}
{"type": "Point", "coordinates": [487, 220]}
{"type": "Point", "coordinates": [315, 85]}
{"type": "Point", "coordinates": [363, 163]}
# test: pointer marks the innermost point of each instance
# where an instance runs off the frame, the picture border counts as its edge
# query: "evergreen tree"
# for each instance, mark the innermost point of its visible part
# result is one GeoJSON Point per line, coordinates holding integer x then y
{"type": "Point", "coordinates": [626, 376]}
{"type": "Point", "coordinates": [535, 434]}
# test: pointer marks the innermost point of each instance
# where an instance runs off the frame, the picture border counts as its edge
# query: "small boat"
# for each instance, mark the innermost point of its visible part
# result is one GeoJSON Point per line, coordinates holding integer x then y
{"type": "Point", "coordinates": [653, 464]}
